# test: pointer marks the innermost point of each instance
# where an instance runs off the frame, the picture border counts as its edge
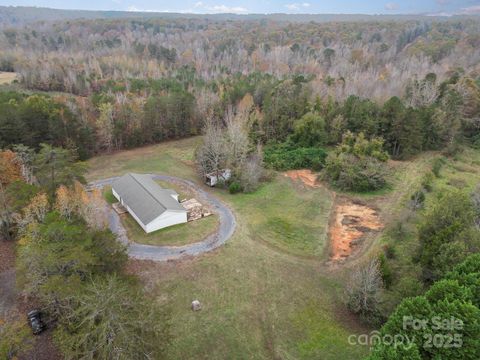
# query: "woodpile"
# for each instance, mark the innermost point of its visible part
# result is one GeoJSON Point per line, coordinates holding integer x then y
{"type": "Point", "coordinates": [195, 210]}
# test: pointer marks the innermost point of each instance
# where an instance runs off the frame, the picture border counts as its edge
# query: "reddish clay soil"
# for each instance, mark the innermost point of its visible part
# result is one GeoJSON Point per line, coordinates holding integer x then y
{"type": "Point", "coordinates": [351, 223]}
{"type": "Point", "coordinates": [306, 176]}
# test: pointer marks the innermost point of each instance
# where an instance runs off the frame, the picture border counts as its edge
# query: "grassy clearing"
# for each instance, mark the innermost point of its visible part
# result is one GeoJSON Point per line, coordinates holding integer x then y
{"type": "Point", "coordinates": [171, 158]}
{"type": "Point", "coordinates": [7, 77]}
{"type": "Point", "coordinates": [287, 215]}
{"type": "Point", "coordinates": [258, 302]}
{"type": "Point", "coordinates": [176, 235]}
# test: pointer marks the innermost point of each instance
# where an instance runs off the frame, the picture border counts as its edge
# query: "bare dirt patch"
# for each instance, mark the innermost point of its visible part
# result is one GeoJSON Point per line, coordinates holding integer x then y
{"type": "Point", "coordinates": [349, 227]}
{"type": "Point", "coordinates": [306, 176]}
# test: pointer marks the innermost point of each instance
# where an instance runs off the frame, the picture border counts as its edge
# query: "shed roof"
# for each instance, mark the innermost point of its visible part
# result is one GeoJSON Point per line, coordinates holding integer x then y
{"type": "Point", "coordinates": [145, 197]}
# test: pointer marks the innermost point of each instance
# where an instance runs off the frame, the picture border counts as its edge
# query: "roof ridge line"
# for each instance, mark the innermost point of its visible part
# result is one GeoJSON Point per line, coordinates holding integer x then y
{"type": "Point", "coordinates": [143, 187]}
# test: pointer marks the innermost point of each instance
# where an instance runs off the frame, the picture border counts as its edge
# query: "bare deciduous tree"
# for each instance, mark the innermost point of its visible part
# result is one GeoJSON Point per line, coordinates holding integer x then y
{"type": "Point", "coordinates": [364, 289]}
{"type": "Point", "coordinates": [211, 156]}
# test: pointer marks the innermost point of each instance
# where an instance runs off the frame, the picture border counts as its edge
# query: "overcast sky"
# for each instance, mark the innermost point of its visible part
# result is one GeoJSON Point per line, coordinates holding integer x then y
{"type": "Point", "coordinates": [446, 7]}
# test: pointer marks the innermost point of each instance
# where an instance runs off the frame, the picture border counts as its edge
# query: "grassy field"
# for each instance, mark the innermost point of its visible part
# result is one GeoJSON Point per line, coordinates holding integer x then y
{"type": "Point", "coordinates": [260, 299]}
{"type": "Point", "coordinates": [170, 158]}
{"type": "Point", "coordinates": [287, 215]}
{"type": "Point", "coordinates": [7, 77]}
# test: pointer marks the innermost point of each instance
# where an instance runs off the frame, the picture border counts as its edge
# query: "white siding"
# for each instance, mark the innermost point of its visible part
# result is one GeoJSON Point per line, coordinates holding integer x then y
{"type": "Point", "coordinates": [168, 218]}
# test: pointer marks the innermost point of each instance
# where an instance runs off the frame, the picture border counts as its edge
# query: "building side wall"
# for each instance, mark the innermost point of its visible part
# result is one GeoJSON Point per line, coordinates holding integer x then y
{"type": "Point", "coordinates": [168, 218]}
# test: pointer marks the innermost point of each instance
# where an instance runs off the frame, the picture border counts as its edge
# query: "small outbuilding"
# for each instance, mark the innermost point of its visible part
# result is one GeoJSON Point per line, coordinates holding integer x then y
{"type": "Point", "coordinates": [152, 206]}
{"type": "Point", "coordinates": [216, 177]}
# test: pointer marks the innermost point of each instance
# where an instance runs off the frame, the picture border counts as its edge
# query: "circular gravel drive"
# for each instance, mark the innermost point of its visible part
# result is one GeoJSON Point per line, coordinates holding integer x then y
{"type": "Point", "coordinates": [164, 253]}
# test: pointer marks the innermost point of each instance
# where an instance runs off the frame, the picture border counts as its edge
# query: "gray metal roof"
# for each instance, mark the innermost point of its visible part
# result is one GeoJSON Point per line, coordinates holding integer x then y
{"type": "Point", "coordinates": [145, 197]}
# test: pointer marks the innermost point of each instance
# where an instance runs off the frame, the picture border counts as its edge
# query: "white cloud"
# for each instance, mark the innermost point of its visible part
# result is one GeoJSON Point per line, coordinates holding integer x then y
{"type": "Point", "coordinates": [201, 6]}
{"type": "Point", "coordinates": [133, 8]}
{"type": "Point", "coordinates": [391, 6]}
{"type": "Point", "coordinates": [471, 10]}
{"type": "Point", "coordinates": [297, 6]}
{"type": "Point", "coordinates": [227, 9]}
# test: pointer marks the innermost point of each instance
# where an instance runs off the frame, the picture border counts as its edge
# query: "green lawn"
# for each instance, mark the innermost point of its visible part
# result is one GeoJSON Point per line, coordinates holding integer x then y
{"type": "Point", "coordinates": [170, 158]}
{"type": "Point", "coordinates": [180, 234]}
{"type": "Point", "coordinates": [108, 195]}
{"type": "Point", "coordinates": [261, 300]}
{"type": "Point", "coordinates": [287, 215]}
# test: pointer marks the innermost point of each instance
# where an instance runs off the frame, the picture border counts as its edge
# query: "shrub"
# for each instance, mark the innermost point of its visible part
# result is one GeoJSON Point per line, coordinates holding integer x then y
{"type": "Point", "coordinates": [357, 164]}
{"type": "Point", "coordinates": [427, 181]}
{"type": "Point", "coordinates": [390, 251]}
{"type": "Point", "coordinates": [286, 156]}
{"type": "Point", "coordinates": [385, 271]}
{"type": "Point", "coordinates": [351, 173]}
{"type": "Point", "coordinates": [437, 166]}
{"type": "Point", "coordinates": [234, 188]}
{"type": "Point", "coordinates": [417, 199]}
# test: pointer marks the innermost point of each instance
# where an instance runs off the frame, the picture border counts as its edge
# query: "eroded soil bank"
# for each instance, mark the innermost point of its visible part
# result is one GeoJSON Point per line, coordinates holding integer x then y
{"type": "Point", "coordinates": [306, 176]}
{"type": "Point", "coordinates": [351, 223]}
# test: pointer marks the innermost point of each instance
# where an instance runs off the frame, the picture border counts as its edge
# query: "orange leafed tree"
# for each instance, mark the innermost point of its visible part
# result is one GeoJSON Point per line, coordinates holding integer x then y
{"type": "Point", "coordinates": [10, 169]}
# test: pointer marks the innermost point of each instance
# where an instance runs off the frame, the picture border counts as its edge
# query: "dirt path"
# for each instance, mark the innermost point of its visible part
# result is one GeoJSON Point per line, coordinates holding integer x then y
{"type": "Point", "coordinates": [163, 253]}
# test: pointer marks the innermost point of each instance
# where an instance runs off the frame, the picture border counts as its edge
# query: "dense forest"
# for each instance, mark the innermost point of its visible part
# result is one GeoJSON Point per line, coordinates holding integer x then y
{"type": "Point", "coordinates": [133, 82]}
{"type": "Point", "coordinates": [341, 97]}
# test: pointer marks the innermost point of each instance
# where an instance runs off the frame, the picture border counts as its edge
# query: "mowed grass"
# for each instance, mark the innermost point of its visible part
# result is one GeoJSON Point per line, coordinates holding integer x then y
{"type": "Point", "coordinates": [175, 235]}
{"type": "Point", "coordinates": [260, 300]}
{"type": "Point", "coordinates": [287, 215]}
{"type": "Point", "coordinates": [171, 158]}
{"type": "Point", "coordinates": [7, 77]}
{"type": "Point", "coordinates": [256, 304]}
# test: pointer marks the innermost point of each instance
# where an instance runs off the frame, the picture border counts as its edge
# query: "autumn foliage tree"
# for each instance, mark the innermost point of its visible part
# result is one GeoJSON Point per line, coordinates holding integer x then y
{"type": "Point", "coordinates": [10, 170]}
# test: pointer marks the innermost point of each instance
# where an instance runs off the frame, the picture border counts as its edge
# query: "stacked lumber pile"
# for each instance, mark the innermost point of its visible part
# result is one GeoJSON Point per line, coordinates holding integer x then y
{"type": "Point", "coordinates": [195, 210]}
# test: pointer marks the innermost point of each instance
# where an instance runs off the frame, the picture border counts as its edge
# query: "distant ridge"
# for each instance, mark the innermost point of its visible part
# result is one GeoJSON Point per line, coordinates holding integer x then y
{"type": "Point", "coordinates": [21, 15]}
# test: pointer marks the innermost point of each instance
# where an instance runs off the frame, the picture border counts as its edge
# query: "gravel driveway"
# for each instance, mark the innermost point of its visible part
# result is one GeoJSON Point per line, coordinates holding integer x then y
{"type": "Point", "coordinates": [163, 253]}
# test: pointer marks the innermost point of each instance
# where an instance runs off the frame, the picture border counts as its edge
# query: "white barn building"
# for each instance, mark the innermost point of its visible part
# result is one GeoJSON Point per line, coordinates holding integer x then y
{"type": "Point", "coordinates": [149, 204]}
